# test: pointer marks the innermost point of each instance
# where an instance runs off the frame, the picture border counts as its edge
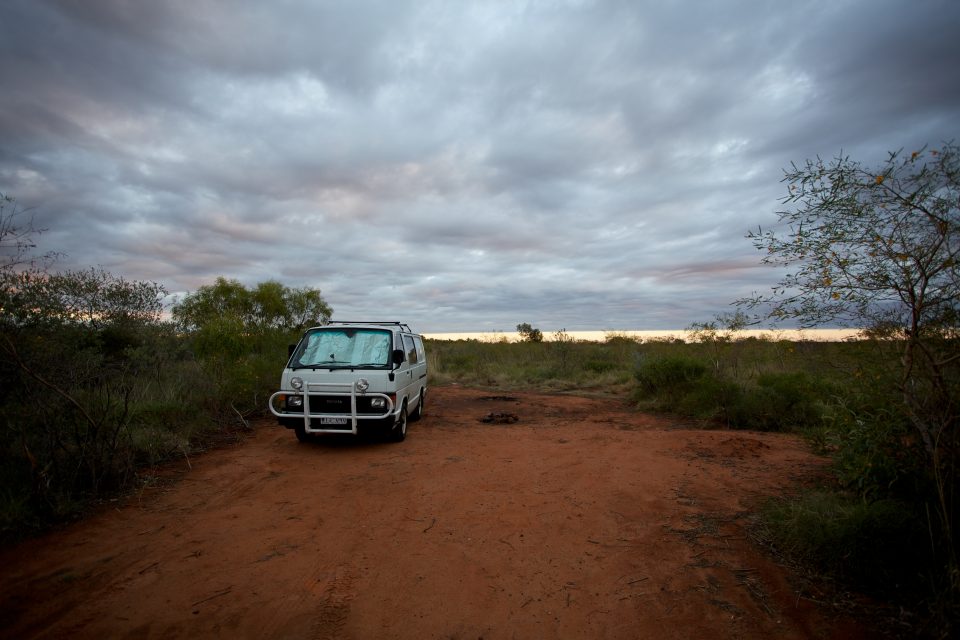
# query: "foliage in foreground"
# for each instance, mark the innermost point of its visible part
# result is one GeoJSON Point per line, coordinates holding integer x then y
{"type": "Point", "coordinates": [95, 387]}
{"type": "Point", "coordinates": [83, 360]}
{"type": "Point", "coordinates": [879, 248]}
{"type": "Point", "coordinates": [880, 548]}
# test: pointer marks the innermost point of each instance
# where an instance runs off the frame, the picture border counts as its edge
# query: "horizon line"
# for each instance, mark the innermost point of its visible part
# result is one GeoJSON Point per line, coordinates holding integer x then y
{"type": "Point", "coordinates": [823, 335]}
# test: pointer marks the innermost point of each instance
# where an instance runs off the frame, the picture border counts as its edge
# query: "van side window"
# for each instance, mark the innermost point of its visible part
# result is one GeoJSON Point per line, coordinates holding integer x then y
{"type": "Point", "coordinates": [411, 349]}
{"type": "Point", "coordinates": [421, 356]}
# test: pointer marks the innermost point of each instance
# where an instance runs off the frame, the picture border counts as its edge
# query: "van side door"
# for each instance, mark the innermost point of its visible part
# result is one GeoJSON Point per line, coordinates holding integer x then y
{"type": "Point", "coordinates": [420, 370]}
{"type": "Point", "coordinates": [405, 374]}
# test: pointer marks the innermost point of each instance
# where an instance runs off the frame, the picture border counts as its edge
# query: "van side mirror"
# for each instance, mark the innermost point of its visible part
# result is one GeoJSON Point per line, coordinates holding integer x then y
{"type": "Point", "coordinates": [290, 349]}
{"type": "Point", "coordinates": [398, 356]}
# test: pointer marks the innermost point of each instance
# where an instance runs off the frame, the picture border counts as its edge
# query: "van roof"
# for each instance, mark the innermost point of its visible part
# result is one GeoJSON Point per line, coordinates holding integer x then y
{"type": "Point", "coordinates": [401, 325]}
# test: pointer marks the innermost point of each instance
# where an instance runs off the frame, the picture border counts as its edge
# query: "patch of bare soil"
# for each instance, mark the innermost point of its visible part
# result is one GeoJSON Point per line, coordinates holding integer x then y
{"type": "Point", "coordinates": [572, 518]}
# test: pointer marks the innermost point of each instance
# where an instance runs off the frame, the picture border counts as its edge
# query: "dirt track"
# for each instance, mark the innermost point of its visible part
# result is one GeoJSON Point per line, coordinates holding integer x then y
{"type": "Point", "coordinates": [579, 520]}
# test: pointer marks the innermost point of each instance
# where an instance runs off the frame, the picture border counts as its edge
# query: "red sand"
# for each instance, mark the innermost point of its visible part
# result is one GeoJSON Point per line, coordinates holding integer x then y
{"type": "Point", "coordinates": [582, 519]}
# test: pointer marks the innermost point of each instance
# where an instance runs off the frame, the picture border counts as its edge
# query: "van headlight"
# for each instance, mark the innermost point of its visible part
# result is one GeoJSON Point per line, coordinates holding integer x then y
{"type": "Point", "coordinates": [296, 383]}
{"type": "Point", "coordinates": [295, 402]}
{"type": "Point", "coordinates": [362, 385]}
{"type": "Point", "coordinates": [378, 403]}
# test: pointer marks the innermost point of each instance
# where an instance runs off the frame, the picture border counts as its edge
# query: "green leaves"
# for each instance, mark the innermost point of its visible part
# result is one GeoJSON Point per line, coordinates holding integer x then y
{"type": "Point", "coordinates": [867, 243]}
{"type": "Point", "coordinates": [92, 298]}
{"type": "Point", "coordinates": [529, 333]}
{"type": "Point", "coordinates": [270, 305]}
{"type": "Point", "coordinates": [878, 247]}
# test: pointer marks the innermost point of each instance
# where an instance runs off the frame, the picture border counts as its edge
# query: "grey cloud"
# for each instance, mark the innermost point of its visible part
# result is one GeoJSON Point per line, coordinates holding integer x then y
{"type": "Point", "coordinates": [462, 165]}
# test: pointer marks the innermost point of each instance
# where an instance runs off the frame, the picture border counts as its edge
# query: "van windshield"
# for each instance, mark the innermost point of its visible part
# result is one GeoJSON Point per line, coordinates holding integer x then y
{"type": "Point", "coordinates": [343, 348]}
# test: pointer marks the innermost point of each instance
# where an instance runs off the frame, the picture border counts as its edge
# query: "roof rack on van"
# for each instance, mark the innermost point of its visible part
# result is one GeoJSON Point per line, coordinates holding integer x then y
{"type": "Point", "coordinates": [402, 325]}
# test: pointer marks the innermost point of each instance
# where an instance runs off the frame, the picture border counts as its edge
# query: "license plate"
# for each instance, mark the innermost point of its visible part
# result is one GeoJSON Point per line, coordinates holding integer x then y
{"type": "Point", "coordinates": [334, 421]}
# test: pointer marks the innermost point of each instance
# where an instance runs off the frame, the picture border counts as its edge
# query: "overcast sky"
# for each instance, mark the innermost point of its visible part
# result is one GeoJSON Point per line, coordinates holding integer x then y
{"type": "Point", "coordinates": [461, 166]}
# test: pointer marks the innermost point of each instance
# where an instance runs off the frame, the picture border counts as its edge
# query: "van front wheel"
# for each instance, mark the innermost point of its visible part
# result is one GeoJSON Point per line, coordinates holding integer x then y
{"type": "Point", "coordinates": [399, 431]}
{"type": "Point", "coordinates": [302, 434]}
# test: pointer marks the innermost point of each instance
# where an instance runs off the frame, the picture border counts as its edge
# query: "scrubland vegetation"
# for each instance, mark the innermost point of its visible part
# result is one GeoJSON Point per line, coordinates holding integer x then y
{"type": "Point", "coordinates": [95, 386]}
{"type": "Point", "coordinates": [89, 409]}
{"type": "Point", "coordinates": [870, 523]}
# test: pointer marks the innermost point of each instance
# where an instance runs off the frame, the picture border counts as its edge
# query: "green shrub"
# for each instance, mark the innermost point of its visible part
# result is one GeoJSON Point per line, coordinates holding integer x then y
{"type": "Point", "coordinates": [756, 408]}
{"type": "Point", "coordinates": [672, 374]}
{"type": "Point", "coordinates": [880, 547]}
{"type": "Point", "coordinates": [875, 455]}
{"type": "Point", "coordinates": [93, 404]}
{"type": "Point", "coordinates": [17, 509]}
{"type": "Point", "coordinates": [780, 402]}
{"type": "Point", "coordinates": [709, 398]}
{"type": "Point", "coordinates": [547, 366]}
{"type": "Point", "coordinates": [685, 386]}
{"type": "Point", "coordinates": [160, 430]}
{"type": "Point", "coordinates": [767, 401]}
{"type": "Point", "coordinates": [600, 366]}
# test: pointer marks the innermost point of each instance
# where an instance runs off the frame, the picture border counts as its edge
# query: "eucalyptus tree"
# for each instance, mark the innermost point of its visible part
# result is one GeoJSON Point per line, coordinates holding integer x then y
{"type": "Point", "coordinates": [269, 305]}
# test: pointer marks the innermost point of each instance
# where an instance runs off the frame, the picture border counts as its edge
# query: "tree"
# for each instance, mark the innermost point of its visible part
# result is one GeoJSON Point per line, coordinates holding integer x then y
{"type": "Point", "coordinates": [722, 328]}
{"type": "Point", "coordinates": [872, 247]}
{"type": "Point", "coordinates": [529, 333]}
{"type": "Point", "coordinates": [879, 248]}
{"type": "Point", "coordinates": [270, 305]}
{"type": "Point", "coordinates": [93, 298]}
{"type": "Point", "coordinates": [17, 237]}
{"type": "Point", "coordinates": [719, 335]}
{"type": "Point", "coordinates": [240, 335]}
{"type": "Point", "coordinates": [223, 299]}
{"type": "Point", "coordinates": [275, 306]}
{"type": "Point", "coordinates": [77, 351]}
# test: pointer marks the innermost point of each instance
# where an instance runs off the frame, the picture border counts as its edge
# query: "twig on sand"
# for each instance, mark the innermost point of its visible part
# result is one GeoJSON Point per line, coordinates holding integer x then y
{"type": "Point", "coordinates": [222, 592]}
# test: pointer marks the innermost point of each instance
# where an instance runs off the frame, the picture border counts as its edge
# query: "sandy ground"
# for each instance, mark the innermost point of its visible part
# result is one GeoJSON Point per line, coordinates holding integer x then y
{"type": "Point", "coordinates": [581, 519]}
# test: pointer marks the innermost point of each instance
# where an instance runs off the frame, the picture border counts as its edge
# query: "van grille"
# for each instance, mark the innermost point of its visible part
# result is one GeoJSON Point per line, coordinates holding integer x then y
{"type": "Point", "coordinates": [340, 404]}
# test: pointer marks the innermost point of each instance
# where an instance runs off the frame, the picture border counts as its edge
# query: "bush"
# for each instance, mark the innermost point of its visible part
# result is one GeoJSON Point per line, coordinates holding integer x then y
{"type": "Point", "coordinates": [772, 401]}
{"type": "Point", "coordinates": [880, 547]}
{"type": "Point", "coordinates": [547, 366]}
{"type": "Point", "coordinates": [600, 366]}
{"type": "Point", "coordinates": [710, 398]}
{"type": "Point", "coordinates": [668, 375]}
{"type": "Point", "coordinates": [875, 455]}
{"type": "Point", "coordinates": [780, 402]}
{"type": "Point", "coordinates": [684, 386]}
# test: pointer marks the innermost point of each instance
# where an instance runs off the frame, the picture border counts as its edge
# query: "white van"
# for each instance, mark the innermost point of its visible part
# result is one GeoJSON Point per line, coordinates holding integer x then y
{"type": "Point", "coordinates": [347, 377]}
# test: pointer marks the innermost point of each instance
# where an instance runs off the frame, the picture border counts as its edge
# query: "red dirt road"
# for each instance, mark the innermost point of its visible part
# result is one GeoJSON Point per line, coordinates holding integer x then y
{"type": "Point", "coordinates": [582, 519]}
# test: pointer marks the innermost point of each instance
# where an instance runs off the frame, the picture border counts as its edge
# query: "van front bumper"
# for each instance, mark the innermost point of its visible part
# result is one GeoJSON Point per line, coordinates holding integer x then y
{"type": "Point", "coordinates": [331, 408]}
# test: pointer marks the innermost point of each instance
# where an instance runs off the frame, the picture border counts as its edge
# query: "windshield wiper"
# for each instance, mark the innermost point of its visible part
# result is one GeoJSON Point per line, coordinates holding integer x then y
{"type": "Point", "coordinates": [321, 365]}
{"type": "Point", "coordinates": [338, 364]}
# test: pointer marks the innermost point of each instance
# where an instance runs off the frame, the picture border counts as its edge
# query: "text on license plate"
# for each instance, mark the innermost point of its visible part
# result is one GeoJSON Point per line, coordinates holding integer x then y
{"type": "Point", "coordinates": [338, 421]}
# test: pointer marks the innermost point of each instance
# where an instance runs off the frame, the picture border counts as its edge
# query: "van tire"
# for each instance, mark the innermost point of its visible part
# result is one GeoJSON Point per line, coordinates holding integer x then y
{"type": "Point", "coordinates": [302, 434]}
{"type": "Point", "coordinates": [418, 412]}
{"type": "Point", "coordinates": [399, 431]}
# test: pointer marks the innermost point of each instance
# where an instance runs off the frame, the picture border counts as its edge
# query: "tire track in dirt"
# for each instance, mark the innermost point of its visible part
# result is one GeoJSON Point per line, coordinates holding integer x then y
{"type": "Point", "coordinates": [334, 593]}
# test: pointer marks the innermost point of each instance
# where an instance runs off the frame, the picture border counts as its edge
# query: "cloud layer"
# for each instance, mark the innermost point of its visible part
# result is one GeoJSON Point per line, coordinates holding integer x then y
{"type": "Point", "coordinates": [459, 166]}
